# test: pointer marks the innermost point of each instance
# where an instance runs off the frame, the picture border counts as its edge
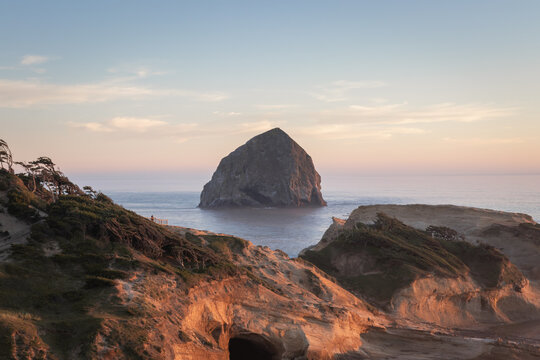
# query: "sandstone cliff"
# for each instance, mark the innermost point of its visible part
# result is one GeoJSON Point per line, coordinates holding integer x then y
{"type": "Point", "coordinates": [271, 169]}
{"type": "Point", "coordinates": [444, 271]}
{"type": "Point", "coordinates": [515, 235]}
{"type": "Point", "coordinates": [83, 278]}
{"type": "Point", "coordinates": [91, 280]}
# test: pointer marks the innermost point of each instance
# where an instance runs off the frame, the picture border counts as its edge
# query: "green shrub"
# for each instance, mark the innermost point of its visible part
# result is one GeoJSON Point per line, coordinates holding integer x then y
{"type": "Point", "coordinates": [4, 183]}
{"type": "Point", "coordinates": [26, 251]}
{"type": "Point", "coordinates": [225, 244]}
{"type": "Point", "coordinates": [19, 206]}
{"type": "Point", "coordinates": [400, 254]}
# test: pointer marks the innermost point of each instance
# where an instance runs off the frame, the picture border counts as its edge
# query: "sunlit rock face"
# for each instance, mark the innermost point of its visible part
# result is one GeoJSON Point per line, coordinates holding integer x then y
{"type": "Point", "coordinates": [437, 265]}
{"type": "Point", "coordinates": [271, 169]}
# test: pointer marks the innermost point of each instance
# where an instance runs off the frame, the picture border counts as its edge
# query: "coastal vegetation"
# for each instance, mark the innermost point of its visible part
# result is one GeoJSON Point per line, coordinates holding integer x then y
{"type": "Point", "coordinates": [391, 255]}
{"type": "Point", "coordinates": [84, 278]}
{"type": "Point", "coordinates": [60, 281]}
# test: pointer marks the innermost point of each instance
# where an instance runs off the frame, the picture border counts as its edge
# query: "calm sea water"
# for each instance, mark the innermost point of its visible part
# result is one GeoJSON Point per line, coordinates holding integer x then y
{"type": "Point", "coordinates": [291, 230]}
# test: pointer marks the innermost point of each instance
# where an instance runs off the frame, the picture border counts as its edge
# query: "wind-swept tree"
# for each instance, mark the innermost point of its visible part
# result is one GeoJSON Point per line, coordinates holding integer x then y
{"type": "Point", "coordinates": [44, 169]}
{"type": "Point", "coordinates": [31, 173]}
{"type": "Point", "coordinates": [42, 176]}
{"type": "Point", "coordinates": [47, 174]}
{"type": "Point", "coordinates": [5, 156]}
{"type": "Point", "coordinates": [66, 187]}
{"type": "Point", "coordinates": [88, 190]}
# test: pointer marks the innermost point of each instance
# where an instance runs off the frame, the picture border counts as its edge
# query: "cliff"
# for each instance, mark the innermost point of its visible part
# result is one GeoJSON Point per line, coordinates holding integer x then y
{"type": "Point", "coordinates": [84, 278]}
{"type": "Point", "coordinates": [516, 235]}
{"type": "Point", "coordinates": [423, 271]}
{"type": "Point", "coordinates": [88, 279]}
{"type": "Point", "coordinates": [271, 169]}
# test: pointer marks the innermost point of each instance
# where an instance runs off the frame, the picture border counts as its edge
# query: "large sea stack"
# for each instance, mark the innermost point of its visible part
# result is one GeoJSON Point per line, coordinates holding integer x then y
{"type": "Point", "coordinates": [271, 169]}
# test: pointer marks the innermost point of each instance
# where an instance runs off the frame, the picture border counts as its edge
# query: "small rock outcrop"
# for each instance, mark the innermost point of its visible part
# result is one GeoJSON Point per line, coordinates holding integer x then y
{"type": "Point", "coordinates": [271, 169]}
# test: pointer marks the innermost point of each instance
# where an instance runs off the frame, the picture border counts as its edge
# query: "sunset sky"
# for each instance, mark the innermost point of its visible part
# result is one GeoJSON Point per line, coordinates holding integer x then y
{"type": "Point", "coordinates": [366, 87]}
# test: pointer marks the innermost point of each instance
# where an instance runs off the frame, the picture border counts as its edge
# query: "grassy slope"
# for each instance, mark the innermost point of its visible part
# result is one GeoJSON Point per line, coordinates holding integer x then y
{"type": "Point", "coordinates": [66, 297]}
{"type": "Point", "coordinates": [401, 254]}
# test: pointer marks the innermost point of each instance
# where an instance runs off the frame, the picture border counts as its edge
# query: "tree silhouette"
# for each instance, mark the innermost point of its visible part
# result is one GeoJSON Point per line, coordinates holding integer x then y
{"type": "Point", "coordinates": [5, 156]}
{"type": "Point", "coordinates": [31, 173]}
{"type": "Point", "coordinates": [43, 175]}
{"type": "Point", "coordinates": [44, 169]}
{"type": "Point", "coordinates": [90, 191]}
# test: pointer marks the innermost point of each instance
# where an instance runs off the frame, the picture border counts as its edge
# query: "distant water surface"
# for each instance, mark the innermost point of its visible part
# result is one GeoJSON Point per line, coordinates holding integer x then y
{"type": "Point", "coordinates": [291, 230]}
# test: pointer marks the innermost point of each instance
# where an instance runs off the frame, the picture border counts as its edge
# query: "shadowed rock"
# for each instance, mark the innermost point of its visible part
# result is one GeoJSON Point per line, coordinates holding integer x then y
{"type": "Point", "coordinates": [271, 169]}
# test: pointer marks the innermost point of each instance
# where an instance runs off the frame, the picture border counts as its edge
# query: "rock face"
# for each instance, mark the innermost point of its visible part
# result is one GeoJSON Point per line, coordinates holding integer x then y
{"type": "Point", "coordinates": [132, 289]}
{"type": "Point", "coordinates": [286, 307]}
{"type": "Point", "coordinates": [516, 235]}
{"type": "Point", "coordinates": [140, 290]}
{"type": "Point", "coordinates": [271, 169]}
{"type": "Point", "coordinates": [437, 264]}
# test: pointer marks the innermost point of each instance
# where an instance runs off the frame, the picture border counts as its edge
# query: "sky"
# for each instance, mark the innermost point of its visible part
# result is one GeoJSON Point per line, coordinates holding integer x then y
{"type": "Point", "coordinates": [366, 87]}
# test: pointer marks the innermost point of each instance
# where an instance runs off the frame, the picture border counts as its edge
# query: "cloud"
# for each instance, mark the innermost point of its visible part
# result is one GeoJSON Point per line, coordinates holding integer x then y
{"type": "Point", "coordinates": [339, 90]}
{"type": "Point", "coordinates": [276, 106]}
{"type": "Point", "coordinates": [387, 120]}
{"type": "Point", "coordinates": [34, 59]}
{"type": "Point", "coordinates": [135, 124]}
{"type": "Point", "coordinates": [137, 72]}
{"type": "Point", "coordinates": [356, 131]}
{"type": "Point", "coordinates": [349, 85]}
{"type": "Point", "coordinates": [27, 93]}
{"type": "Point", "coordinates": [484, 141]}
{"type": "Point", "coordinates": [258, 126]}
{"type": "Point", "coordinates": [91, 126]}
{"type": "Point", "coordinates": [404, 114]}
{"type": "Point", "coordinates": [378, 100]}
{"type": "Point", "coordinates": [128, 124]}
{"type": "Point", "coordinates": [384, 121]}
{"type": "Point", "coordinates": [230, 113]}
{"type": "Point", "coordinates": [177, 132]}
{"type": "Point", "coordinates": [408, 131]}
{"type": "Point", "coordinates": [377, 110]}
{"type": "Point", "coordinates": [185, 132]}
{"type": "Point", "coordinates": [149, 127]}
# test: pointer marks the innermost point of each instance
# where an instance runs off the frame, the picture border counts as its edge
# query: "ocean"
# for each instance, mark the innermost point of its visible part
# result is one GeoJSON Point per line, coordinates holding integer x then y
{"type": "Point", "coordinates": [292, 230]}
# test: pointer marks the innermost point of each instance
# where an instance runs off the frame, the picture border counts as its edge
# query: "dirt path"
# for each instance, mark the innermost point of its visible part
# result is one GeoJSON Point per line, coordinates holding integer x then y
{"type": "Point", "coordinates": [18, 232]}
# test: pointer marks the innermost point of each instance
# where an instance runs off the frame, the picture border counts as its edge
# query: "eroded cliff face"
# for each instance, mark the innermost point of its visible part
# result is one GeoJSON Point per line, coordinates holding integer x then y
{"type": "Point", "coordinates": [287, 306]}
{"type": "Point", "coordinates": [201, 323]}
{"type": "Point", "coordinates": [91, 280]}
{"type": "Point", "coordinates": [271, 169]}
{"type": "Point", "coordinates": [516, 235]}
{"type": "Point", "coordinates": [87, 279]}
{"type": "Point", "coordinates": [461, 303]}
{"type": "Point", "coordinates": [435, 277]}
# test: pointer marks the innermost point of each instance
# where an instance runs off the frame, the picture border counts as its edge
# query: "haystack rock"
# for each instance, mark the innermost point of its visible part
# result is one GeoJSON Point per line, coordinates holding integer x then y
{"type": "Point", "coordinates": [271, 169]}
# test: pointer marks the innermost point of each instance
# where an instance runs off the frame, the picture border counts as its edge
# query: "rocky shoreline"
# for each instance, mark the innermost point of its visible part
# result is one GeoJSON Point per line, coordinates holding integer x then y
{"type": "Point", "coordinates": [377, 286]}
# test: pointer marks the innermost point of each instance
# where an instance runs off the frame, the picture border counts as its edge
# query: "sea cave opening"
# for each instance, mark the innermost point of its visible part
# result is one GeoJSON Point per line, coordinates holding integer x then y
{"type": "Point", "coordinates": [251, 348]}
